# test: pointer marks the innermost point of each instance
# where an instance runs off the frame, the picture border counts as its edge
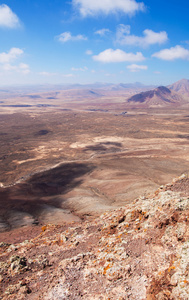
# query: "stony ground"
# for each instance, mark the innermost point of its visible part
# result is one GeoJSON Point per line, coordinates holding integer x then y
{"type": "Point", "coordinates": [140, 251]}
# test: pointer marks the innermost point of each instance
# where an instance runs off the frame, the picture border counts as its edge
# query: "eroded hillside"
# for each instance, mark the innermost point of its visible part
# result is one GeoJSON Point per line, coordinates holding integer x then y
{"type": "Point", "coordinates": [140, 251]}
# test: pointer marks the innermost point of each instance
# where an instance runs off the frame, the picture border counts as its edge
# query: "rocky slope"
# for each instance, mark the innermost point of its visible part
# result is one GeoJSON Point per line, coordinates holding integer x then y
{"type": "Point", "coordinates": [140, 251]}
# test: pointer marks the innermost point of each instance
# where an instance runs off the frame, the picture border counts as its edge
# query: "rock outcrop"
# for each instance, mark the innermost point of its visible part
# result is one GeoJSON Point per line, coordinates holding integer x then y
{"type": "Point", "coordinates": [140, 251]}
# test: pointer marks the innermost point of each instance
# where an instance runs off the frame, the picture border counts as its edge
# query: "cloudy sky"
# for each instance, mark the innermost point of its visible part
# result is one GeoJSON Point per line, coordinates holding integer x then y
{"type": "Point", "coordinates": [87, 41]}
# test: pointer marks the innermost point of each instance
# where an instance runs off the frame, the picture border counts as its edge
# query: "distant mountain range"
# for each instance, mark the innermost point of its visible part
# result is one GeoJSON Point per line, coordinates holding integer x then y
{"type": "Point", "coordinates": [77, 91]}
{"type": "Point", "coordinates": [175, 94]}
{"type": "Point", "coordinates": [25, 89]}
{"type": "Point", "coordinates": [140, 95]}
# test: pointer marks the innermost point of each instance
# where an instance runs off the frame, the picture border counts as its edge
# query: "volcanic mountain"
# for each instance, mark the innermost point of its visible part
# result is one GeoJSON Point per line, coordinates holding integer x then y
{"type": "Point", "coordinates": [181, 87]}
{"type": "Point", "coordinates": [160, 96]}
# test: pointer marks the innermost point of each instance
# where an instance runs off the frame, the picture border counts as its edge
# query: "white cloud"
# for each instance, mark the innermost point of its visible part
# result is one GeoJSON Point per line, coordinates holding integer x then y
{"type": "Point", "coordinates": [80, 69]}
{"type": "Point", "coordinates": [48, 74]}
{"type": "Point", "coordinates": [24, 68]}
{"type": "Point", "coordinates": [136, 68]}
{"type": "Point", "coordinates": [44, 73]}
{"type": "Point", "coordinates": [117, 55]}
{"type": "Point", "coordinates": [94, 7]}
{"type": "Point", "coordinates": [149, 37]}
{"type": "Point", "coordinates": [173, 53]}
{"type": "Point", "coordinates": [13, 54]}
{"type": "Point", "coordinates": [122, 30]}
{"type": "Point", "coordinates": [89, 52]}
{"type": "Point", "coordinates": [102, 32]}
{"type": "Point", "coordinates": [157, 72]}
{"type": "Point", "coordinates": [68, 75]}
{"type": "Point", "coordinates": [8, 18]}
{"type": "Point", "coordinates": [67, 36]}
{"type": "Point", "coordinates": [109, 74]}
{"type": "Point", "coordinates": [7, 58]}
{"type": "Point", "coordinates": [21, 68]}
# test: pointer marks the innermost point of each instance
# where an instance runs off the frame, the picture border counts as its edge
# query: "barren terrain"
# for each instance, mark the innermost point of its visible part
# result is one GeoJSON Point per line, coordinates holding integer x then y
{"type": "Point", "coordinates": [70, 155]}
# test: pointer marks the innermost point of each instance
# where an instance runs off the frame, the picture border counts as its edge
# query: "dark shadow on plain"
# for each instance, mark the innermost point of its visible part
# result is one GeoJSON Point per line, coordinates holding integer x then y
{"type": "Point", "coordinates": [42, 132]}
{"type": "Point", "coordinates": [107, 147]}
{"type": "Point", "coordinates": [27, 196]}
{"type": "Point", "coordinates": [183, 136]}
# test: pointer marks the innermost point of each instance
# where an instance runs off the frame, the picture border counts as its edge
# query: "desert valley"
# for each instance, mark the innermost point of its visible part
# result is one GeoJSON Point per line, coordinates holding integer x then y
{"type": "Point", "coordinates": [85, 162]}
{"type": "Point", "coordinates": [72, 154]}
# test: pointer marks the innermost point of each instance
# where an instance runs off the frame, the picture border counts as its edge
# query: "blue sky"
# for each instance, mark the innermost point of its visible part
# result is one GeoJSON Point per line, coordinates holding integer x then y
{"type": "Point", "coordinates": [87, 41]}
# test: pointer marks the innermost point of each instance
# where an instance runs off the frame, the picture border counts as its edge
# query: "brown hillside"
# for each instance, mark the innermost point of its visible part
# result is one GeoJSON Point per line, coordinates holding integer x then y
{"type": "Point", "coordinates": [181, 87]}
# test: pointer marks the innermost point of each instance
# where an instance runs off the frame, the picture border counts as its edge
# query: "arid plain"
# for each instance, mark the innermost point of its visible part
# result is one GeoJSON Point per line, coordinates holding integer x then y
{"type": "Point", "coordinates": [74, 154]}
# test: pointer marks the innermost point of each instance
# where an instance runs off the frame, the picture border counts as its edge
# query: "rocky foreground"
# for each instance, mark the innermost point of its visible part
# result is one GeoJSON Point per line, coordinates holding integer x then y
{"type": "Point", "coordinates": [140, 251]}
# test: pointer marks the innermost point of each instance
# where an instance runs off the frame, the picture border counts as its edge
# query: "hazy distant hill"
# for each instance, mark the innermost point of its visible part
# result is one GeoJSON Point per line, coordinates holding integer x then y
{"type": "Point", "coordinates": [25, 89]}
{"type": "Point", "coordinates": [160, 96]}
{"type": "Point", "coordinates": [181, 87]}
{"type": "Point", "coordinates": [127, 86]}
